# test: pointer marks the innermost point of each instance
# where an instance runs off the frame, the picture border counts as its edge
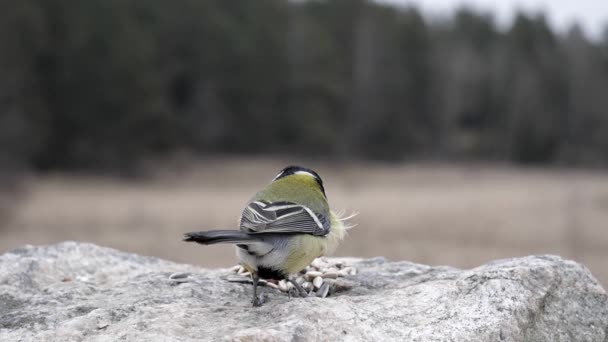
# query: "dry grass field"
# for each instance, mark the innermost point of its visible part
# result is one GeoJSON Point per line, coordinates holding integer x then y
{"type": "Point", "coordinates": [459, 215]}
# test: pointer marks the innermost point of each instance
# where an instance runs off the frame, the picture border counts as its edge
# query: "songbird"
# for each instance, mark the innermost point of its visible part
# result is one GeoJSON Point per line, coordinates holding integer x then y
{"type": "Point", "coordinates": [283, 228]}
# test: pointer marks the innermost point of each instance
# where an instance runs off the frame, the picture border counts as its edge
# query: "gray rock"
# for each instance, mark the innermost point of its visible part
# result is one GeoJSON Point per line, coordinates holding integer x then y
{"type": "Point", "coordinates": [82, 292]}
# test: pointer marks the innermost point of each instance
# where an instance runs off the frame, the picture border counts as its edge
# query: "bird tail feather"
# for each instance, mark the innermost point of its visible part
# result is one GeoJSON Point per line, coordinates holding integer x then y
{"type": "Point", "coordinates": [219, 236]}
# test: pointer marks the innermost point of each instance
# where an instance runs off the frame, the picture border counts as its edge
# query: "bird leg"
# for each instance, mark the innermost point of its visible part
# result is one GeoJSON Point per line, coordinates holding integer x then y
{"type": "Point", "coordinates": [298, 287]}
{"type": "Point", "coordinates": [256, 300]}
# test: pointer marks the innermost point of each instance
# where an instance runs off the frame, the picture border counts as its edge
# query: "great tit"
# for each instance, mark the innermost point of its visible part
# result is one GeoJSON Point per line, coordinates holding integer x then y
{"type": "Point", "coordinates": [283, 228]}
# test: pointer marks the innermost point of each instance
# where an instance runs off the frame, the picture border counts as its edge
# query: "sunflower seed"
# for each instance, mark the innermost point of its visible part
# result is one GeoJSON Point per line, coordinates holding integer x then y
{"type": "Point", "coordinates": [179, 276]}
{"type": "Point", "coordinates": [317, 282]}
{"type": "Point", "coordinates": [331, 275]}
{"type": "Point", "coordinates": [238, 279]}
{"type": "Point", "coordinates": [313, 274]}
{"type": "Point", "coordinates": [318, 264]}
{"type": "Point", "coordinates": [323, 291]}
{"type": "Point", "coordinates": [272, 285]}
{"type": "Point", "coordinates": [102, 324]}
{"type": "Point", "coordinates": [283, 285]}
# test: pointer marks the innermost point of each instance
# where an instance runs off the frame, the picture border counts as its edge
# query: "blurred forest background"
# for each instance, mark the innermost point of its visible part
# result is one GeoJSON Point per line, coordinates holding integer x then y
{"type": "Point", "coordinates": [91, 90]}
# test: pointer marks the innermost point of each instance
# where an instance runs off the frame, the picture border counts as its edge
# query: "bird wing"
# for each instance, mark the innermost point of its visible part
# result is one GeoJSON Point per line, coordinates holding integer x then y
{"type": "Point", "coordinates": [282, 217]}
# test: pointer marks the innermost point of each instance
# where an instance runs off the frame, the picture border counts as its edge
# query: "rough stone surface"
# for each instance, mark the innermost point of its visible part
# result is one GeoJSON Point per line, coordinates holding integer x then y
{"type": "Point", "coordinates": [81, 292]}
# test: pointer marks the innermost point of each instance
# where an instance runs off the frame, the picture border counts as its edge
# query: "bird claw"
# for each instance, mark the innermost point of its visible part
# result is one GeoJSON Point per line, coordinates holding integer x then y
{"type": "Point", "coordinates": [257, 301]}
{"type": "Point", "coordinates": [297, 293]}
{"type": "Point", "coordinates": [298, 290]}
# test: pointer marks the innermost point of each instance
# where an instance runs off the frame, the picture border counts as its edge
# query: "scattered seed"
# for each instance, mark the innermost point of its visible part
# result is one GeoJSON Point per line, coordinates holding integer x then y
{"type": "Point", "coordinates": [283, 285]}
{"type": "Point", "coordinates": [331, 275]}
{"type": "Point", "coordinates": [320, 278]}
{"type": "Point", "coordinates": [272, 285]}
{"type": "Point", "coordinates": [180, 278]}
{"type": "Point", "coordinates": [313, 274]}
{"type": "Point", "coordinates": [102, 325]}
{"type": "Point", "coordinates": [238, 279]}
{"type": "Point", "coordinates": [323, 291]}
{"type": "Point", "coordinates": [318, 264]}
{"type": "Point", "coordinates": [176, 276]}
{"type": "Point", "coordinates": [317, 282]}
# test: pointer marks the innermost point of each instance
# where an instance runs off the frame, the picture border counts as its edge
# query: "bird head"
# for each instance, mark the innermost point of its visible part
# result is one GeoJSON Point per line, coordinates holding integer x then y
{"type": "Point", "coordinates": [301, 174]}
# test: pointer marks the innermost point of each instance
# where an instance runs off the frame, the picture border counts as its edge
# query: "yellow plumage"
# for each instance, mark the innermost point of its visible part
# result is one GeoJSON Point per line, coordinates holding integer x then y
{"type": "Point", "coordinates": [283, 228]}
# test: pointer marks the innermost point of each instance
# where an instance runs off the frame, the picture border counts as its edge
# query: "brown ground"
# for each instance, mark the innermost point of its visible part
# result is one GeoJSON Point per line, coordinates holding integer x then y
{"type": "Point", "coordinates": [456, 215]}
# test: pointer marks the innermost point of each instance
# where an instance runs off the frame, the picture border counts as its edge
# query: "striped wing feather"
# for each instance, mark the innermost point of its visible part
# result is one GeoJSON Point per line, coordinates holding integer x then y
{"type": "Point", "coordinates": [282, 217]}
